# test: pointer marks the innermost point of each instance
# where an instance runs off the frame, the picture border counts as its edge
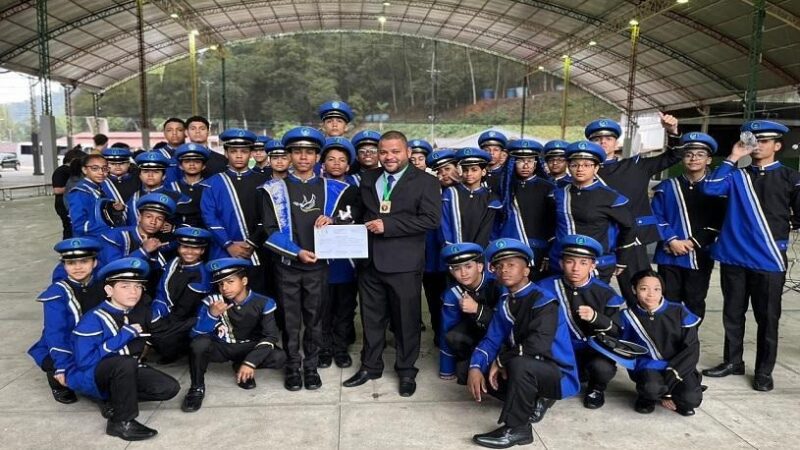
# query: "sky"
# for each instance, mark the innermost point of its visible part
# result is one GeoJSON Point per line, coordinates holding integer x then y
{"type": "Point", "coordinates": [13, 88]}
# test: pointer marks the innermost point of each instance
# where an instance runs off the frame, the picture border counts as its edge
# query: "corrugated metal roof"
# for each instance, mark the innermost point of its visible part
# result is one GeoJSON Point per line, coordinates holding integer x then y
{"type": "Point", "coordinates": [690, 54]}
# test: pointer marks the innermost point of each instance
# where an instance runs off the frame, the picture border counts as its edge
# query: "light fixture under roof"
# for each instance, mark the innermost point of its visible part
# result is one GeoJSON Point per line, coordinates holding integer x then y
{"type": "Point", "coordinates": [174, 15]}
{"type": "Point", "coordinates": [634, 22]}
{"type": "Point", "coordinates": [382, 19]}
{"type": "Point", "coordinates": [592, 43]}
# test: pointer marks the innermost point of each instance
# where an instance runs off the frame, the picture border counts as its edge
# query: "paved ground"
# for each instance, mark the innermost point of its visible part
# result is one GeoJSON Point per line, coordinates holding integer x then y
{"type": "Point", "coordinates": [440, 415]}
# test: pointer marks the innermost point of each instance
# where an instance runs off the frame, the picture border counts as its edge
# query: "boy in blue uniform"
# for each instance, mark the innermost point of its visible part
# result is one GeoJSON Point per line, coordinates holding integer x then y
{"type": "Point", "coordinates": [689, 222]}
{"type": "Point", "coordinates": [91, 210]}
{"type": "Point", "coordinates": [278, 159]}
{"type": "Point", "coordinates": [528, 200]}
{"type": "Point", "coordinates": [109, 342]}
{"type": "Point", "coordinates": [763, 204]}
{"type": "Point", "coordinates": [260, 156]}
{"type": "Point", "coordinates": [555, 152]}
{"type": "Point", "coordinates": [145, 240]}
{"type": "Point", "coordinates": [668, 330]}
{"type": "Point", "coordinates": [339, 307]}
{"type": "Point", "coordinates": [494, 143]}
{"type": "Point", "coordinates": [236, 325]}
{"type": "Point", "coordinates": [589, 207]}
{"type": "Point", "coordinates": [192, 160]}
{"type": "Point", "coordinates": [590, 307]}
{"type": "Point", "coordinates": [291, 209]}
{"type": "Point", "coordinates": [366, 145]}
{"type": "Point", "coordinates": [64, 302]}
{"type": "Point", "coordinates": [526, 352]}
{"type": "Point", "coordinates": [230, 207]}
{"type": "Point", "coordinates": [420, 149]}
{"type": "Point", "coordinates": [121, 181]}
{"type": "Point", "coordinates": [183, 286]}
{"type": "Point", "coordinates": [467, 308]}
{"type": "Point", "coordinates": [468, 208]}
{"type": "Point", "coordinates": [335, 116]}
{"type": "Point", "coordinates": [153, 167]}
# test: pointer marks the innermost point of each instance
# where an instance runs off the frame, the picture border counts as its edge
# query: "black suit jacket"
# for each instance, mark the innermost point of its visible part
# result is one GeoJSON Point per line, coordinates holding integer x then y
{"type": "Point", "coordinates": [416, 208]}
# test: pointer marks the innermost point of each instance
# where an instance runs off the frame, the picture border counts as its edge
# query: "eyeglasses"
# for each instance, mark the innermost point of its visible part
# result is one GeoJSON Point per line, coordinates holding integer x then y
{"type": "Point", "coordinates": [581, 165]}
{"type": "Point", "coordinates": [525, 162]}
{"type": "Point", "coordinates": [97, 168]}
{"type": "Point", "coordinates": [368, 150]}
{"type": "Point", "coordinates": [556, 159]}
{"type": "Point", "coordinates": [698, 155]}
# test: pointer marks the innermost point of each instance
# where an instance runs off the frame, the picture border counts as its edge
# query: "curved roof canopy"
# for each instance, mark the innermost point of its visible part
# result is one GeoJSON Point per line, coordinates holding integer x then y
{"type": "Point", "coordinates": [690, 53]}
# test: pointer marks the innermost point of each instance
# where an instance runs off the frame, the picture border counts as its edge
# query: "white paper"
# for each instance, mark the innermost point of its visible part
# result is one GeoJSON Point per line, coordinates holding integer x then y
{"type": "Point", "coordinates": [341, 242]}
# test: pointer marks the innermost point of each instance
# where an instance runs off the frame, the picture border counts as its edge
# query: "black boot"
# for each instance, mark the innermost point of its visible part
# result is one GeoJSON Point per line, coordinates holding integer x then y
{"type": "Point", "coordinates": [194, 399]}
{"type": "Point", "coordinates": [325, 359]}
{"type": "Point", "coordinates": [293, 380]}
{"type": "Point", "coordinates": [343, 360]}
{"type": "Point", "coordinates": [542, 405]}
{"type": "Point", "coordinates": [594, 399]}
{"type": "Point", "coordinates": [311, 379]}
{"type": "Point", "coordinates": [761, 382]}
{"type": "Point", "coordinates": [505, 437]}
{"type": "Point", "coordinates": [129, 430]}
{"type": "Point", "coordinates": [106, 409]}
{"type": "Point", "coordinates": [644, 406]}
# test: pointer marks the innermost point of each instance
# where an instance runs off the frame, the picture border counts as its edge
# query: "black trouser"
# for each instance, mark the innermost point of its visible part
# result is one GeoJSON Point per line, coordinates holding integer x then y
{"type": "Point", "coordinates": [595, 369]}
{"type": "Point", "coordinates": [689, 286]}
{"type": "Point", "coordinates": [63, 214]}
{"type": "Point", "coordinates": [267, 271]}
{"type": "Point", "coordinates": [256, 277]}
{"type": "Point", "coordinates": [301, 296]}
{"type": "Point", "coordinates": [172, 339]}
{"type": "Point", "coordinates": [338, 314]}
{"type": "Point", "coordinates": [434, 284]}
{"type": "Point", "coordinates": [687, 394]}
{"type": "Point", "coordinates": [127, 383]}
{"type": "Point", "coordinates": [635, 261]}
{"type": "Point", "coordinates": [528, 377]}
{"type": "Point", "coordinates": [462, 339]}
{"type": "Point", "coordinates": [206, 350]}
{"type": "Point", "coordinates": [385, 297]}
{"type": "Point", "coordinates": [49, 368]}
{"type": "Point", "coordinates": [764, 290]}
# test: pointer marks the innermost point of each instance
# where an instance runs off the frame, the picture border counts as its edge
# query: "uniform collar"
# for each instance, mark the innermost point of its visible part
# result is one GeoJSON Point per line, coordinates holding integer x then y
{"type": "Point", "coordinates": [661, 306]}
{"type": "Point", "coordinates": [582, 286]}
{"type": "Point", "coordinates": [110, 307]}
{"type": "Point", "coordinates": [191, 266]}
{"type": "Point", "coordinates": [79, 284]}
{"type": "Point", "coordinates": [475, 191]}
{"type": "Point", "coordinates": [231, 171]}
{"type": "Point", "coordinates": [480, 284]}
{"type": "Point", "coordinates": [295, 179]}
{"type": "Point", "coordinates": [122, 177]}
{"type": "Point", "coordinates": [769, 167]}
{"type": "Point", "coordinates": [246, 299]}
{"type": "Point", "coordinates": [526, 180]}
{"type": "Point", "coordinates": [688, 181]}
{"type": "Point", "coordinates": [156, 190]}
{"type": "Point", "coordinates": [523, 291]}
{"type": "Point", "coordinates": [595, 184]}
{"type": "Point", "coordinates": [610, 161]}
{"type": "Point", "coordinates": [91, 183]}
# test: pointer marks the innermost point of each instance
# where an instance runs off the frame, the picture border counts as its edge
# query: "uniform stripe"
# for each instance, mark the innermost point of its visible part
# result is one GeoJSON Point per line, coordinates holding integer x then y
{"type": "Point", "coordinates": [72, 302]}
{"type": "Point", "coordinates": [683, 212]}
{"type": "Point", "coordinates": [566, 307]}
{"type": "Point", "coordinates": [518, 223]}
{"type": "Point", "coordinates": [761, 220]}
{"type": "Point", "coordinates": [639, 329]}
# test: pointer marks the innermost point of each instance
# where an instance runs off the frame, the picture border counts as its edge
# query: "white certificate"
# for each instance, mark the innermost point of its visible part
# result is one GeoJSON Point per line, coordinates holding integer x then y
{"type": "Point", "coordinates": [341, 242]}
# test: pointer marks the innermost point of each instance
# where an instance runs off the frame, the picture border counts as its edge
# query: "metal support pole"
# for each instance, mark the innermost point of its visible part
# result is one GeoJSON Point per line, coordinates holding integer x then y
{"type": "Point", "coordinates": [96, 112]}
{"type": "Point", "coordinates": [754, 60]}
{"type": "Point", "coordinates": [68, 90]}
{"type": "Point", "coordinates": [631, 128]}
{"type": "Point", "coordinates": [706, 111]}
{"type": "Point", "coordinates": [208, 84]}
{"type": "Point", "coordinates": [224, 96]}
{"type": "Point", "coordinates": [44, 56]}
{"type": "Point", "coordinates": [143, 108]}
{"type": "Point", "coordinates": [35, 153]}
{"type": "Point", "coordinates": [567, 66]}
{"type": "Point", "coordinates": [193, 67]}
{"type": "Point", "coordinates": [524, 103]}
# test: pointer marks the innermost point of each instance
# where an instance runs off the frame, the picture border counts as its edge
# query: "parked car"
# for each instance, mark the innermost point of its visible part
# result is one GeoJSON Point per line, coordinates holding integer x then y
{"type": "Point", "coordinates": [9, 161]}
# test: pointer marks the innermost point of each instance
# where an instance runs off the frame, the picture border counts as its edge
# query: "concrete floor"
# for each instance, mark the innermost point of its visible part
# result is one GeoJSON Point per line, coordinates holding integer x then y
{"type": "Point", "coordinates": [440, 415]}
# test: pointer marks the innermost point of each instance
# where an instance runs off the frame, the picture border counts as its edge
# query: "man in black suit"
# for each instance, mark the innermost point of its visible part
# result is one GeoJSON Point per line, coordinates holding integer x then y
{"type": "Point", "coordinates": [401, 203]}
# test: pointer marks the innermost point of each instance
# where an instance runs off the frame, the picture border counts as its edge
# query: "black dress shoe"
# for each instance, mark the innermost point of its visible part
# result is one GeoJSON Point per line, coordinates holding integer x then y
{"type": "Point", "coordinates": [293, 381]}
{"type": "Point", "coordinates": [106, 410]}
{"type": "Point", "coordinates": [248, 384]}
{"type": "Point", "coordinates": [688, 412]}
{"type": "Point", "coordinates": [725, 369]}
{"type": "Point", "coordinates": [407, 386]}
{"type": "Point", "coordinates": [359, 378]}
{"type": "Point", "coordinates": [64, 395]}
{"type": "Point", "coordinates": [343, 360]}
{"type": "Point", "coordinates": [594, 399]}
{"type": "Point", "coordinates": [129, 430]}
{"type": "Point", "coordinates": [644, 406]}
{"type": "Point", "coordinates": [763, 382]}
{"type": "Point", "coordinates": [542, 405]}
{"type": "Point", "coordinates": [193, 400]}
{"type": "Point", "coordinates": [311, 379]}
{"type": "Point", "coordinates": [505, 437]}
{"type": "Point", "coordinates": [325, 360]}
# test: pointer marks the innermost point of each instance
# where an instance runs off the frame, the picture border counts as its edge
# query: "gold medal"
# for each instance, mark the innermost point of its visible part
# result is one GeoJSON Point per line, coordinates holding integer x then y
{"type": "Point", "coordinates": [386, 207]}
